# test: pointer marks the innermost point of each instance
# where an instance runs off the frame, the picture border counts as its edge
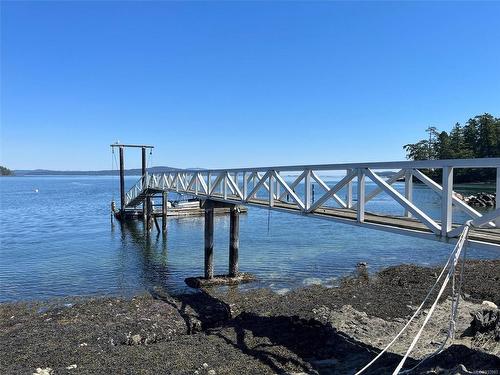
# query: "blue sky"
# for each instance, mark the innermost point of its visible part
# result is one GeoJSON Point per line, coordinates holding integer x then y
{"type": "Point", "coordinates": [233, 84]}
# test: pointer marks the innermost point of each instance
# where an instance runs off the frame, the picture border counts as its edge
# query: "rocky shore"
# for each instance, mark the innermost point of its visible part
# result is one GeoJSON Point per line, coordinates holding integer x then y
{"type": "Point", "coordinates": [480, 200]}
{"type": "Point", "coordinates": [223, 331]}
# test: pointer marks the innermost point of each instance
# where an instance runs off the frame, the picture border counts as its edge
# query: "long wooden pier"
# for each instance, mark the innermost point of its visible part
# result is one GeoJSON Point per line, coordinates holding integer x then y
{"type": "Point", "coordinates": [265, 187]}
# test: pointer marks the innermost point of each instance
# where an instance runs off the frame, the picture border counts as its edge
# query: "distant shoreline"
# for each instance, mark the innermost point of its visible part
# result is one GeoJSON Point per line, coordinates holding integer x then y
{"type": "Point", "coordinates": [106, 172]}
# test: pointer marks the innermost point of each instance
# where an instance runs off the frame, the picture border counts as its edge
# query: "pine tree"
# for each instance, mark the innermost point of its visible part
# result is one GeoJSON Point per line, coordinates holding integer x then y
{"type": "Point", "coordinates": [478, 138]}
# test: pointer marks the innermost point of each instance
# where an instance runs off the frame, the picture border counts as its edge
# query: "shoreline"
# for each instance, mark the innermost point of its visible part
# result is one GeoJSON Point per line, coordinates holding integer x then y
{"type": "Point", "coordinates": [312, 329]}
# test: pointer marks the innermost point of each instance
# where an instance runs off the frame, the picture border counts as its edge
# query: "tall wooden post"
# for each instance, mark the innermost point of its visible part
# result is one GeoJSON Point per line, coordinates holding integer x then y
{"type": "Point", "coordinates": [122, 180]}
{"type": "Point", "coordinates": [143, 161]}
{"type": "Point", "coordinates": [149, 219]}
{"type": "Point", "coordinates": [209, 243]}
{"type": "Point", "coordinates": [144, 204]}
{"type": "Point", "coordinates": [164, 203]}
{"type": "Point", "coordinates": [234, 240]}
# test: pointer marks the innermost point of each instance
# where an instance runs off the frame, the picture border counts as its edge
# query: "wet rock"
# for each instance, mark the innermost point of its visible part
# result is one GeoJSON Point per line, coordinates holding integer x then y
{"type": "Point", "coordinates": [136, 339]}
{"type": "Point", "coordinates": [43, 371]}
{"type": "Point", "coordinates": [489, 305]}
{"type": "Point", "coordinates": [481, 200]}
{"type": "Point", "coordinates": [486, 321]}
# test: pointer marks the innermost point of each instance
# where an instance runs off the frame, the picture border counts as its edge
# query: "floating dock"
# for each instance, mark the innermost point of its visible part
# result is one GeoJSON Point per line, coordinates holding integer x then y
{"type": "Point", "coordinates": [174, 211]}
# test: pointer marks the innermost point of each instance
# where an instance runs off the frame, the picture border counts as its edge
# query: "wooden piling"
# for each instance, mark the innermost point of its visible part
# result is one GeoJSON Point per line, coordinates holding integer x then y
{"type": "Point", "coordinates": [164, 204]}
{"type": "Point", "coordinates": [156, 224]}
{"type": "Point", "coordinates": [149, 219]}
{"type": "Point", "coordinates": [234, 240]}
{"type": "Point", "coordinates": [144, 208]}
{"type": "Point", "coordinates": [143, 161]}
{"type": "Point", "coordinates": [122, 180]}
{"type": "Point", "coordinates": [209, 243]}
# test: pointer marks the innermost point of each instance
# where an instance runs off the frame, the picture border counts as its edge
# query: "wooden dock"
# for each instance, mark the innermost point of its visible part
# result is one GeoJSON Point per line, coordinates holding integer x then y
{"type": "Point", "coordinates": [265, 187]}
{"type": "Point", "coordinates": [228, 190]}
{"type": "Point", "coordinates": [174, 212]}
{"type": "Point", "coordinates": [384, 222]}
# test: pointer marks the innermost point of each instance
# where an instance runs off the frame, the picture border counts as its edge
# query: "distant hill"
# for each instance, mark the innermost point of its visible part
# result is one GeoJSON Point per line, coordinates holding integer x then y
{"type": "Point", "coordinates": [108, 172]}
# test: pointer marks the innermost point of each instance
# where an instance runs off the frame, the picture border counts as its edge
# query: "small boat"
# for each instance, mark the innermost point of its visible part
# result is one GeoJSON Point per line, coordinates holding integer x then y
{"type": "Point", "coordinates": [190, 203]}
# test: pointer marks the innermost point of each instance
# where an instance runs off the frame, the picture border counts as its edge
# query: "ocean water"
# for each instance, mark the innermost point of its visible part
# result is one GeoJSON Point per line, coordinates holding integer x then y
{"type": "Point", "coordinates": [60, 241]}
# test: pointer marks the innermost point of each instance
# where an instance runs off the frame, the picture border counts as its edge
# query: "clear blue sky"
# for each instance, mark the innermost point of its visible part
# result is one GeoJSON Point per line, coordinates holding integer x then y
{"type": "Point", "coordinates": [239, 84]}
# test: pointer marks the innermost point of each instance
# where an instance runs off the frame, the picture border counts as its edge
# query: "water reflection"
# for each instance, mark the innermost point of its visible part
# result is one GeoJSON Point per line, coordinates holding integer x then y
{"type": "Point", "coordinates": [68, 254]}
{"type": "Point", "coordinates": [150, 251]}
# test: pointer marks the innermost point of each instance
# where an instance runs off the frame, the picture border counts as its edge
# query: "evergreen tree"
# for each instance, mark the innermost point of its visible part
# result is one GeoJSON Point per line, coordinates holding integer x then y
{"type": "Point", "coordinates": [478, 138]}
{"type": "Point", "coordinates": [488, 134]}
{"type": "Point", "coordinates": [5, 171]}
{"type": "Point", "coordinates": [444, 150]}
{"type": "Point", "coordinates": [471, 135]}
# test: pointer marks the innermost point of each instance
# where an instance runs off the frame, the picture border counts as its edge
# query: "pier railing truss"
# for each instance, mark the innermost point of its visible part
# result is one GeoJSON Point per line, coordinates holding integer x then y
{"type": "Point", "coordinates": [306, 190]}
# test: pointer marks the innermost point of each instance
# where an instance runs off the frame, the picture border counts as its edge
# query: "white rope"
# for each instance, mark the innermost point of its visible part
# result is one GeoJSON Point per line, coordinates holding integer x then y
{"type": "Point", "coordinates": [452, 254]}
{"type": "Point", "coordinates": [412, 317]}
{"type": "Point", "coordinates": [453, 316]}
{"type": "Point", "coordinates": [457, 251]}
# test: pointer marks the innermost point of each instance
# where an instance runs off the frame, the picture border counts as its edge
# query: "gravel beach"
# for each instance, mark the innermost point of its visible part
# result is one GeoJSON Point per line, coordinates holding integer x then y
{"type": "Point", "coordinates": [311, 330]}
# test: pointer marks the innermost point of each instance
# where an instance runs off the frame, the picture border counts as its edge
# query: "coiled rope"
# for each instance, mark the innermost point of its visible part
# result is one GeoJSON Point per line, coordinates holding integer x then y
{"type": "Point", "coordinates": [454, 257]}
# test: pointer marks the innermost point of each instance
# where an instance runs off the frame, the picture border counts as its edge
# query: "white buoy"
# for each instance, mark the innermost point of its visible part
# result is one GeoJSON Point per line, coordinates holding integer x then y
{"type": "Point", "coordinates": [36, 190]}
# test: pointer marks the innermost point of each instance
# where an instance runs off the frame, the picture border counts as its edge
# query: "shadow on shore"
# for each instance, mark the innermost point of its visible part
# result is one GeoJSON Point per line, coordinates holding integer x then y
{"type": "Point", "coordinates": [283, 342]}
{"type": "Point", "coordinates": [279, 342]}
{"type": "Point", "coordinates": [289, 343]}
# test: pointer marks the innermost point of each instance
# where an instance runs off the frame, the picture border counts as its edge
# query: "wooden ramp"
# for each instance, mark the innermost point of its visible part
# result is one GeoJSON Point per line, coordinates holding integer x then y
{"type": "Point", "coordinates": [267, 188]}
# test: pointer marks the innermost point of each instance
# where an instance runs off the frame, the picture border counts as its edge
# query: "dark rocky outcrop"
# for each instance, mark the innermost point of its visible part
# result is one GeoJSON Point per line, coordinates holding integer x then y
{"type": "Point", "coordinates": [486, 321]}
{"type": "Point", "coordinates": [480, 200]}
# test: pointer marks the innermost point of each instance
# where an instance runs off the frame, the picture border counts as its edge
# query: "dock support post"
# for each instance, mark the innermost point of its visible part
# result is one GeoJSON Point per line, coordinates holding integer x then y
{"type": "Point", "coordinates": [122, 180]}
{"type": "Point", "coordinates": [209, 243]}
{"type": "Point", "coordinates": [149, 219]}
{"type": "Point", "coordinates": [446, 201]}
{"type": "Point", "coordinates": [144, 208]}
{"type": "Point", "coordinates": [156, 224]}
{"type": "Point", "coordinates": [234, 240]}
{"type": "Point", "coordinates": [164, 203]}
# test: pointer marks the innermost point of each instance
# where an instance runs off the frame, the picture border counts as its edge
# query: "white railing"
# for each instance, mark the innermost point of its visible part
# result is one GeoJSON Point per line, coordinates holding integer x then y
{"type": "Point", "coordinates": [267, 186]}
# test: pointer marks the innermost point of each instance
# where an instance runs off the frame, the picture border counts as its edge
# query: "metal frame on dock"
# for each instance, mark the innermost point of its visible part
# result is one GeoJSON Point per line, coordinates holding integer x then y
{"type": "Point", "coordinates": [266, 188]}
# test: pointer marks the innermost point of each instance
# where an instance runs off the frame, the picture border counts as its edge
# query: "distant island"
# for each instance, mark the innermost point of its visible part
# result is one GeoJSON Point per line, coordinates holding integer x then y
{"type": "Point", "coordinates": [107, 172]}
{"type": "Point", "coordinates": [4, 171]}
{"type": "Point", "coordinates": [478, 138]}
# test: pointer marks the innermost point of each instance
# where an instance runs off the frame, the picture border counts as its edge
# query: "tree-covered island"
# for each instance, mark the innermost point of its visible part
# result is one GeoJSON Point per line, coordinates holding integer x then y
{"type": "Point", "coordinates": [5, 171]}
{"type": "Point", "coordinates": [478, 138]}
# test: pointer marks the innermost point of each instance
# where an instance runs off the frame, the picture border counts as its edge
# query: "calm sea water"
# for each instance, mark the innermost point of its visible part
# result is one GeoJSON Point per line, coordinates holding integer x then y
{"type": "Point", "coordinates": [60, 241]}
